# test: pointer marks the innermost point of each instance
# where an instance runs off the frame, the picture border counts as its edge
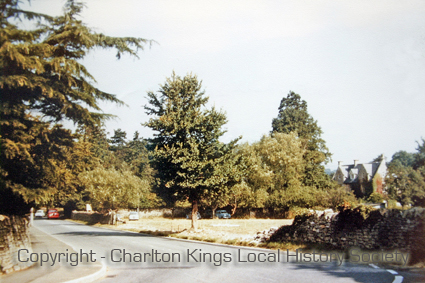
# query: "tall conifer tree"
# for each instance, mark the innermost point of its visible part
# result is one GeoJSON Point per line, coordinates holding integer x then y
{"type": "Point", "coordinates": [41, 75]}
{"type": "Point", "coordinates": [190, 160]}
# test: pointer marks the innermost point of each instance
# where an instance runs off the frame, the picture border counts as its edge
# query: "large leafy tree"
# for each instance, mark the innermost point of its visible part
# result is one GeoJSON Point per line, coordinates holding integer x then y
{"type": "Point", "coordinates": [282, 155]}
{"type": "Point", "coordinates": [112, 189]}
{"type": "Point", "coordinates": [232, 170]}
{"type": "Point", "coordinates": [110, 180]}
{"type": "Point", "coordinates": [405, 158]}
{"type": "Point", "coordinates": [405, 179]}
{"type": "Point", "coordinates": [275, 167]}
{"type": "Point", "coordinates": [42, 75]}
{"type": "Point", "coordinates": [294, 117]}
{"type": "Point", "coordinates": [188, 156]}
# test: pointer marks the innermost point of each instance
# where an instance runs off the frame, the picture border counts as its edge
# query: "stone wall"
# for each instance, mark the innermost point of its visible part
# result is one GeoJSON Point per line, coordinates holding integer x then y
{"type": "Point", "coordinates": [149, 213]}
{"type": "Point", "coordinates": [107, 218]}
{"type": "Point", "coordinates": [14, 235]}
{"type": "Point", "coordinates": [92, 217]}
{"type": "Point", "coordinates": [378, 230]}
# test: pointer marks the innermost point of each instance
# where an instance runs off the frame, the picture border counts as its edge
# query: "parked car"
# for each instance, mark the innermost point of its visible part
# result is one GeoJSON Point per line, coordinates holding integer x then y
{"type": "Point", "coordinates": [222, 214]}
{"type": "Point", "coordinates": [52, 213]}
{"type": "Point", "coordinates": [134, 215]}
{"type": "Point", "coordinates": [189, 216]}
{"type": "Point", "coordinates": [39, 214]}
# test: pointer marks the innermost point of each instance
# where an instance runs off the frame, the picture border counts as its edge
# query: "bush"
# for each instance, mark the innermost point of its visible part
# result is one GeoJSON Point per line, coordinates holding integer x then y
{"type": "Point", "coordinates": [340, 196]}
{"type": "Point", "coordinates": [297, 211]}
{"type": "Point", "coordinates": [375, 198]}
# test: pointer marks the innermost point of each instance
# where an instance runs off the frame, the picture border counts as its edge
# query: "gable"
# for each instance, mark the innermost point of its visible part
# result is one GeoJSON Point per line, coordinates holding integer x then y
{"type": "Point", "coordinates": [357, 172]}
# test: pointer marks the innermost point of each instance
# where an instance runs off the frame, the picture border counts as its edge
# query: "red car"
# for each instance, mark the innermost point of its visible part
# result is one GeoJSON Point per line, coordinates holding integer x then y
{"type": "Point", "coordinates": [52, 213]}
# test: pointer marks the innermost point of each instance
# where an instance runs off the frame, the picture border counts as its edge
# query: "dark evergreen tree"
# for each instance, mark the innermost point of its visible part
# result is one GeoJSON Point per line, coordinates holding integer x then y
{"type": "Point", "coordinates": [41, 74]}
{"type": "Point", "coordinates": [294, 117]}
{"type": "Point", "coordinates": [420, 156]}
{"type": "Point", "coordinates": [137, 156]}
{"type": "Point", "coordinates": [117, 141]}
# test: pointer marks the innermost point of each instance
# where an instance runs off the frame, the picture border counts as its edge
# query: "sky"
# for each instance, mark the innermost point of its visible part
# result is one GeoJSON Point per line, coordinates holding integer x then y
{"type": "Point", "coordinates": [359, 65]}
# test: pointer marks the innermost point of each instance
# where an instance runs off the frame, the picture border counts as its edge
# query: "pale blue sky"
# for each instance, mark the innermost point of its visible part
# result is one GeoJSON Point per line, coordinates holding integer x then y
{"type": "Point", "coordinates": [360, 65]}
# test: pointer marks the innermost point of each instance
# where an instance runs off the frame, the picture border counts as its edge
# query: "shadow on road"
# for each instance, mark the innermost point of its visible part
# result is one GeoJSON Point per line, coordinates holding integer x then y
{"type": "Point", "coordinates": [103, 233]}
{"type": "Point", "coordinates": [362, 273]}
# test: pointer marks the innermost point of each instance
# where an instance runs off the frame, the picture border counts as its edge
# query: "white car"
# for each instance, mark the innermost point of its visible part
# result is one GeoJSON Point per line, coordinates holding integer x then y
{"type": "Point", "coordinates": [134, 215]}
{"type": "Point", "coordinates": [39, 214]}
{"type": "Point", "coordinates": [222, 214]}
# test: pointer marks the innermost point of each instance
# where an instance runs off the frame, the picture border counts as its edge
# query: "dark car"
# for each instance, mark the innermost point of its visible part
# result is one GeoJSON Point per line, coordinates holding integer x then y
{"type": "Point", "coordinates": [52, 213]}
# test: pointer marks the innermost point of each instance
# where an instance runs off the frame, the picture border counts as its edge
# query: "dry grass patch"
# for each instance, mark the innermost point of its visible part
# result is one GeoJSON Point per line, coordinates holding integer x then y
{"type": "Point", "coordinates": [232, 226]}
{"type": "Point", "coordinates": [239, 232]}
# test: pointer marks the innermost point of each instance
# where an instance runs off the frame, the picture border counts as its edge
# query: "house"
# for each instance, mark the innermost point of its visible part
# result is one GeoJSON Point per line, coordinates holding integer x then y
{"type": "Point", "coordinates": [363, 178]}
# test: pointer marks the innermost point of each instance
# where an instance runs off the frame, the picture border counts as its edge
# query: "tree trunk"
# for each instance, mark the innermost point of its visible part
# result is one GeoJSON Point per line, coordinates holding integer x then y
{"type": "Point", "coordinates": [194, 214]}
{"type": "Point", "coordinates": [213, 211]}
{"type": "Point", "coordinates": [234, 206]}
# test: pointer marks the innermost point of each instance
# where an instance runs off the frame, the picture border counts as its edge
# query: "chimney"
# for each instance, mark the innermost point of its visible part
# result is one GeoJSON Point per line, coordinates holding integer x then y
{"type": "Point", "coordinates": [355, 162]}
{"type": "Point", "coordinates": [339, 163]}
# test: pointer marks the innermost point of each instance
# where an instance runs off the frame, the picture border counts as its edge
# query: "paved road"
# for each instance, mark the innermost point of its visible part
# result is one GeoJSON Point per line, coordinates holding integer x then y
{"type": "Point", "coordinates": [133, 257]}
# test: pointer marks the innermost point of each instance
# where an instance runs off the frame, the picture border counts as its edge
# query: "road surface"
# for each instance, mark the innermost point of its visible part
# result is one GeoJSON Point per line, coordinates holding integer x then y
{"type": "Point", "coordinates": [134, 257]}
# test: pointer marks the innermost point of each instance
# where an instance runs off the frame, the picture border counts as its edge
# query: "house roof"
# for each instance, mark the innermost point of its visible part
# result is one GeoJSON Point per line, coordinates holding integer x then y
{"type": "Point", "coordinates": [370, 168]}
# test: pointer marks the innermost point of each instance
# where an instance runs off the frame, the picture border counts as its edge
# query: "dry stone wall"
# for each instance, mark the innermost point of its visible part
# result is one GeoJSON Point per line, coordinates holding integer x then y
{"type": "Point", "coordinates": [107, 218]}
{"type": "Point", "coordinates": [14, 235]}
{"type": "Point", "coordinates": [379, 230]}
{"type": "Point", "coordinates": [92, 217]}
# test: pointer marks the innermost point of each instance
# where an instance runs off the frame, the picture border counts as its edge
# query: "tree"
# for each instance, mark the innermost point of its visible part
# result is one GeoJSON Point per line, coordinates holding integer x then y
{"type": "Point", "coordinates": [244, 196]}
{"type": "Point", "coordinates": [118, 141]}
{"type": "Point", "coordinates": [405, 179]}
{"type": "Point", "coordinates": [275, 168]}
{"type": "Point", "coordinates": [294, 117]}
{"type": "Point", "coordinates": [70, 191]}
{"type": "Point", "coordinates": [405, 158]}
{"type": "Point", "coordinates": [188, 156]}
{"type": "Point", "coordinates": [232, 169]}
{"type": "Point", "coordinates": [257, 179]}
{"type": "Point", "coordinates": [420, 155]}
{"type": "Point", "coordinates": [32, 174]}
{"type": "Point", "coordinates": [137, 156]}
{"type": "Point", "coordinates": [406, 184]}
{"type": "Point", "coordinates": [133, 153]}
{"type": "Point", "coordinates": [42, 75]}
{"type": "Point", "coordinates": [112, 189]}
{"type": "Point", "coordinates": [282, 154]}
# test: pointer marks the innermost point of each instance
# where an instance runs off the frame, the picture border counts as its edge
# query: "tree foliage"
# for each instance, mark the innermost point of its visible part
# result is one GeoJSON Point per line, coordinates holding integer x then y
{"type": "Point", "coordinates": [121, 159]}
{"type": "Point", "coordinates": [406, 177]}
{"type": "Point", "coordinates": [294, 117]}
{"type": "Point", "coordinates": [35, 172]}
{"type": "Point", "coordinates": [42, 83]}
{"type": "Point", "coordinates": [275, 168]}
{"type": "Point", "coordinates": [112, 189]}
{"type": "Point", "coordinates": [190, 160]}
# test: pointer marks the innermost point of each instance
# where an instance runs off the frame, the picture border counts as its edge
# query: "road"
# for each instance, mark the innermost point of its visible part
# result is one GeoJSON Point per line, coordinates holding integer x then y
{"type": "Point", "coordinates": [134, 257]}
